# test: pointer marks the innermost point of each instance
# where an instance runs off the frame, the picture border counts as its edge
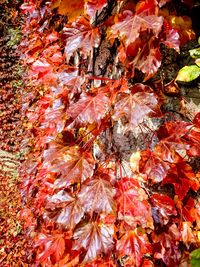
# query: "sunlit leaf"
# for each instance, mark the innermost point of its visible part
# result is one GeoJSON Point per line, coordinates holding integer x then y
{"type": "Point", "coordinates": [52, 245]}
{"type": "Point", "coordinates": [80, 35]}
{"type": "Point", "coordinates": [153, 166]}
{"type": "Point", "coordinates": [72, 165]}
{"type": "Point", "coordinates": [97, 195]}
{"type": "Point", "coordinates": [72, 9]}
{"type": "Point", "coordinates": [67, 208]}
{"type": "Point", "coordinates": [188, 73]}
{"type": "Point", "coordinates": [89, 109]}
{"type": "Point", "coordinates": [195, 257]}
{"type": "Point", "coordinates": [130, 27]}
{"type": "Point", "coordinates": [95, 238]}
{"type": "Point", "coordinates": [134, 245]}
{"type": "Point", "coordinates": [195, 53]}
{"type": "Point", "coordinates": [162, 208]}
{"type": "Point", "coordinates": [133, 207]}
{"type": "Point", "coordinates": [136, 105]}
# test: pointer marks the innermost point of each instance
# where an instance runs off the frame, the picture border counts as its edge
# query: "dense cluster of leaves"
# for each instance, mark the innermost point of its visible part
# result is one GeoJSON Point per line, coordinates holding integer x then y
{"type": "Point", "coordinates": [13, 245]}
{"type": "Point", "coordinates": [82, 208]}
{"type": "Point", "coordinates": [10, 86]}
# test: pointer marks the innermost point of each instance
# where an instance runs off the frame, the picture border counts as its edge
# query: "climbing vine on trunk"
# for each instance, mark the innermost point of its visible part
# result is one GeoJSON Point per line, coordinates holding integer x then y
{"type": "Point", "coordinates": [94, 73]}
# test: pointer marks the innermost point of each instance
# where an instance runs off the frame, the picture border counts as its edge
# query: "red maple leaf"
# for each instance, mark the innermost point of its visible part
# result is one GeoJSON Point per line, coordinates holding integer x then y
{"type": "Point", "coordinates": [134, 245]}
{"type": "Point", "coordinates": [141, 102]}
{"type": "Point", "coordinates": [95, 238]}
{"type": "Point", "coordinates": [89, 109]}
{"type": "Point", "coordinates": [72, 165]}
{"type": "Point", "coordinates": [153, 166]}
{"type": "Point", "coordinates": [183, 178]}
{"type": "Point", "coordinates": [80, 35]}
{"type": "Point", "coordinates": [133, 207]}
{"type": "Point", "coordinates": [162, 208]}
{"type": "Point", "coordinates": [65, 209]}
{"type": "Point", "coordinates": [97, 195]}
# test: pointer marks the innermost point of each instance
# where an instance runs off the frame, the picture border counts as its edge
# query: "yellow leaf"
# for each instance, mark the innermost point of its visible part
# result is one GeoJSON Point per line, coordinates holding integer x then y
{"type": "Point", "coordinates": [134, 161]}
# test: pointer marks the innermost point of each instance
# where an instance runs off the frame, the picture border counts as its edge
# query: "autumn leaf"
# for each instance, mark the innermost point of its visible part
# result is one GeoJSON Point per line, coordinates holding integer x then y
{"type": "Point", "coordinates": [94, 7]}
{"type": "Point", "coordinates": [182, 177]}
{"type": "Point", "coordinates": [95, 238]}
{"type": "Point", "coordinates": [52, 245]}
{"type": "Point", "coordinates": [148, 60]}
{"type": "Point", "coordinates": [97, 195]}
{"type": "Point", "coordinates": [163, 208]}
{"type": "Point", "coordinates": [67, 208]}
{"type": "Point", "coordinates": [173, 141]}
{"type": "Point", "coordinates": [133, 207]}
{"type": "Point", "coordinates": [165, 247]}
{"type": "Point", "coordinates": [70, 9]}
{"type": "Point", "coordinates": [72, 165]}
{"type": "Point", "coordinates": [187, 233]}
{"type": "Point", "coordinates": [136, 105]}
{"type": "Point", "coordinates": [131, 25]}
{"type": "Point", "coordinates": [196, 120]}
{"type": "Point", "coordinates": [41, 66]}
{"type": "Point", "coordinates": [80, 35]}
{"type": "Point", "coordinates": [171, 38]}
{"type": "Point", "coordinates": [89, 109]}
{"type": "Point", "coordinates": [193, 137]}
{"type": "Point", "coordinates": [188, 210]}
{"type": "Point", "coordinates": [153, 166]}
{"type": "Point", "coordinates": [134, 245]}
{"type": "Point", "coordinates": [101, 263]}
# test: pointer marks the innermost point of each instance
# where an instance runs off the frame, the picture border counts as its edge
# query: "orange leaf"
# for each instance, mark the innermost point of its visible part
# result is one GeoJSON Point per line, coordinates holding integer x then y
{"type": "Point", "coordinates": [72, 9]}
{"type": "Point", "coordinates": [134, 245]}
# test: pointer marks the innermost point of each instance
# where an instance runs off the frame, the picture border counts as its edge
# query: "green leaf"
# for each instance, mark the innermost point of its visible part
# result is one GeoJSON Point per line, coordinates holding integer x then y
{"type": "Point", "coordinates": [199, 40]}
{"type": "Point", "coordinates": [195, 53]}
{"type": "Point", "coordinates": [197, 62]}
{"type": "Point", "coordinates": [195, 257]}
{"type": "Point", "coordinates": [188, 73]}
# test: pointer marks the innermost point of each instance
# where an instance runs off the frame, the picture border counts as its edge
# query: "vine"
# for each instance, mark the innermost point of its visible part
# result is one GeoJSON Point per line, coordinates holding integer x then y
{"type": "Point", "coordinates": [94, 87]}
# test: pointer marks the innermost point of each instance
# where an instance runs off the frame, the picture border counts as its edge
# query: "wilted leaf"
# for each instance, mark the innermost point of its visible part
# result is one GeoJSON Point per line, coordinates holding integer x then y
{"type": "Point", "coordinates": [188, 73]}
{"type": "Point", "coordinates": [95, 238]}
